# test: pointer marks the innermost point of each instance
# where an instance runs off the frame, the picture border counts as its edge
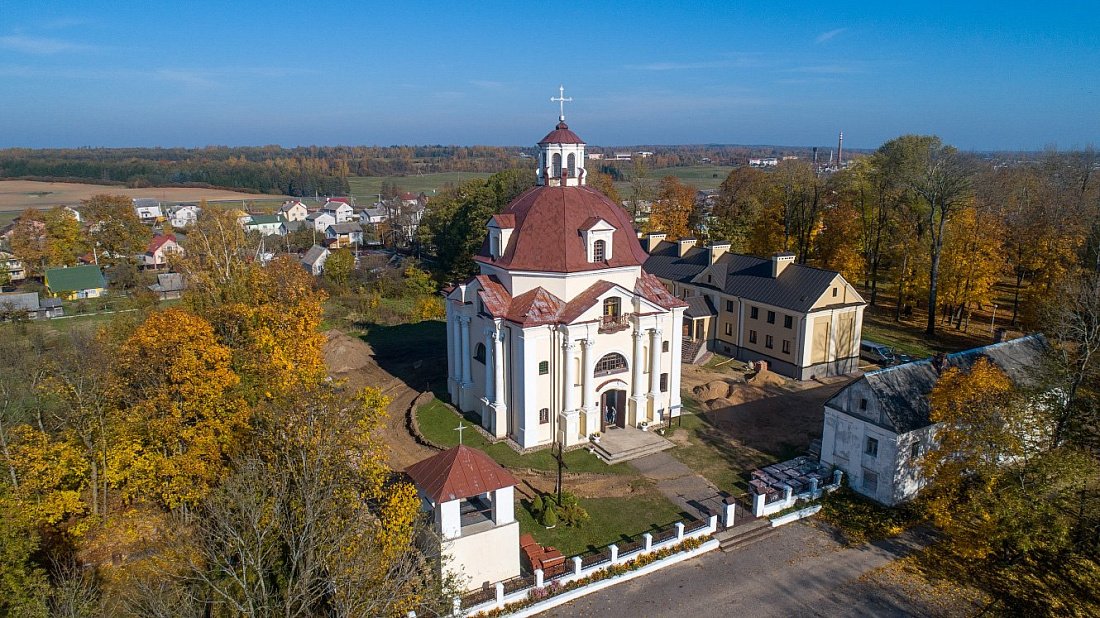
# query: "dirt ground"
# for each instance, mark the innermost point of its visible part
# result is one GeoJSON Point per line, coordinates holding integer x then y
{"type": "Point", "coordinates": [16, 195]}
{"type": "Point", "coordinates": [766, 411]}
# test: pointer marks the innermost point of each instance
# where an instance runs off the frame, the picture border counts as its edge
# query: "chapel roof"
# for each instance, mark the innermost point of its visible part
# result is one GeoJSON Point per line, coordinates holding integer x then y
{"type": "Point", "coordinates": [561, 135]}
{"type": "Point", "coordinates": [458, 473]}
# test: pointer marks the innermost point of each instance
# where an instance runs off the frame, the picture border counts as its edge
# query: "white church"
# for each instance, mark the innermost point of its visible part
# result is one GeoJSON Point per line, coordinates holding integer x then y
{"type": "Point", "coordinates": [562, 334]}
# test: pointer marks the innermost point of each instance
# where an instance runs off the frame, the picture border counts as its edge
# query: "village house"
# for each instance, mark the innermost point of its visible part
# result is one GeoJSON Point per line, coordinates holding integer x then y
{"type": "Point", "coordinates": [805, 322]}
{"type": "Point", "coordinates": [160, 248]}
{"type": "Point", "coordinates": [877, 428]}
{"type": "Point", "coordinates": [148, 209]}
{"type": "Point", "coordinates": [562, 334]}
{"type": "Point", "coordinates": [314, 260]}
{"type": "Point", "coordinates": [340, 209]}
{"type": "Point", "coordinates": [344, 235]}
{"type": "Point", "coordinates": [265, 225]}
{"type": "Point", "coordinates": [183, 215]}
{"type": "Point", "coordinates": [470, 502]}
{"type": "Point", "coordinates": [75, 282]}
{"type": "Point", "coordinates": [27, 304]}
{"type": "Point", "coordinates": [169, 286]}
{"type": "Point", "coordinates": [320, 220]}
{"type": "Point", "coordinates": [294, 210]}
{"type": "Point", "coordinates": [11, 267]}
{"type": "Point", "coordinates": [373, 215]}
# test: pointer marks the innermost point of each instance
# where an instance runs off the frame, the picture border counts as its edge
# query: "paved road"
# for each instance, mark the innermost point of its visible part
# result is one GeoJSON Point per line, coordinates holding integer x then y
{"type": "Point", "coordinates": [800, 571]}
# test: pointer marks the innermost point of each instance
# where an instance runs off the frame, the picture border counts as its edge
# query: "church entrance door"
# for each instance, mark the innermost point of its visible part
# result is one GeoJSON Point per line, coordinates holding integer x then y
{"type": "Point", "coordinates": [613, 408]}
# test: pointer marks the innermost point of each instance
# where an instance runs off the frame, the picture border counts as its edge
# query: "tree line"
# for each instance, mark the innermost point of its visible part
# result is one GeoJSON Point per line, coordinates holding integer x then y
{"type": "Point", "coordinates": [196, 461]}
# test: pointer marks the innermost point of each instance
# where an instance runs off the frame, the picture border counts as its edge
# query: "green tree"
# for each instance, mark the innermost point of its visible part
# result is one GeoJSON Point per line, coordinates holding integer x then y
{"type": "Point", "coordinates": [339, 267]}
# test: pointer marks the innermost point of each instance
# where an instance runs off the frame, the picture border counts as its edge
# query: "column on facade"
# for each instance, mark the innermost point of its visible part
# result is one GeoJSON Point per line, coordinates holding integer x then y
{"type": "Point", "coordinates": [456, 347]}
{"type": "Point", "coordinates": [464, 350]}
{"type": "Point", "coordinates": [568, 378]}
{"type": "Point", "coordinates": [637, 392]}
{"type": "Point", "coordinates": [675, 366]}
{"type": "Point", "coordinates": [490, 373]}
{"type": "Point", "coordinates": [655, 368]}
{"type": "Point", "coordinates": [500, 408]}
{"type": "Point", "coordinates": [589, 381]}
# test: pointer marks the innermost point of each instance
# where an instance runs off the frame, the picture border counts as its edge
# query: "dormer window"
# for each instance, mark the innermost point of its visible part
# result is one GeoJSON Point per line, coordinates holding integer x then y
{"type": "Point", "coordinates": [597, 236]}
{"type": "Point", "coordinates": [599, 249]}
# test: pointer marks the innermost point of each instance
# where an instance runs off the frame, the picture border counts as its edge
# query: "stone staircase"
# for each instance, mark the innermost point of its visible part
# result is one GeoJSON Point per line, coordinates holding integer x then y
{"type": "Point", "coordinates": [745, 534]}
{"type": "Point", "coordinates": [615, 451]}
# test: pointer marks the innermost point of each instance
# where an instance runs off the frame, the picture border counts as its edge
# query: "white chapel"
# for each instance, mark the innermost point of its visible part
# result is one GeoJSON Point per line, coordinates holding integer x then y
{"type": "Point", "coordinates": [562, 334]}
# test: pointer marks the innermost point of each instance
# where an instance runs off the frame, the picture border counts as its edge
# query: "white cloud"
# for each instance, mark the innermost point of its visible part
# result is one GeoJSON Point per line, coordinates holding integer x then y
{"type": "Point", "coordinates": [739, 60]}
{"type": "Point", "coordinates": [40, 45]}
{"type": "Point", "coordinates": [825, 37]}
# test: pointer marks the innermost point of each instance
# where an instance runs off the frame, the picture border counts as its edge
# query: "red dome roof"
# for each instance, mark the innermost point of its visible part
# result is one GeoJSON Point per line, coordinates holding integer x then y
{"type": "Point", "coordinates": [547, 235]}
{"type": "Point", "coordinates": [561, 135]}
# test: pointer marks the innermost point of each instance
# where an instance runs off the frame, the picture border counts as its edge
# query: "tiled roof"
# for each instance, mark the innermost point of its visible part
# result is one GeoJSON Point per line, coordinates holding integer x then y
{"type": "Point", "coordinates": [561, 135]}
{"type": "Point", "coordinates": [797, 288]}
{"type": "Point", "coordinates": [457, 473]}
{"type": "Point", "coordinates": [547, 225]}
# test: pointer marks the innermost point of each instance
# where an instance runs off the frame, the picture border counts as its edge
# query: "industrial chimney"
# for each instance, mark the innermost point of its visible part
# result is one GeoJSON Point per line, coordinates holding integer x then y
{"type": "Point", "coordinates": [840, 151]}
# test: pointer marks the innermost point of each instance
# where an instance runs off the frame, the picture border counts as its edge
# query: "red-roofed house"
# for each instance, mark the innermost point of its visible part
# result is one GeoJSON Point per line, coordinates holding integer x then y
{"type": "Point", "coordinates": [562, 334]}
{"type": "Point", "coordinates": [470, 499]}
{"type": "Point", "coordinates": [160, 247]}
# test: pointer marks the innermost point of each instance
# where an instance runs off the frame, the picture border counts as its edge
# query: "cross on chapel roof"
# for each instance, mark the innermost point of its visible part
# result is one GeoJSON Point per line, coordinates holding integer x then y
{"type": "Point", "coordinates": [561, 100]}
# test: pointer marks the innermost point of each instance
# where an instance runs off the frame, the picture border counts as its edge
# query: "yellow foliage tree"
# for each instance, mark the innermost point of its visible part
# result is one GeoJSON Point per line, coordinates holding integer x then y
{"type": "Point", "coordinates": [51, 474]}
{"type": "Point", "coordinates": [838, 242]}
{"type": "Point", "coordinates": [972, 262]}
{"type": "Point", "coordinates": [672, 210]}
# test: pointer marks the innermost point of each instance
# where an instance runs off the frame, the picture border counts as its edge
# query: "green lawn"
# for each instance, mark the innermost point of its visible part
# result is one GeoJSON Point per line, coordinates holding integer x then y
{"type": "Point", "coordinates": [698, 176]}
{"type": "Point", "coordinates": [8, 217]}
{"type": "Point", "coordinates": [366, 188]}
{"type": "Point", "coordinates": [438, 423]}
{"type": "Point", "coordinates": [611, 520]}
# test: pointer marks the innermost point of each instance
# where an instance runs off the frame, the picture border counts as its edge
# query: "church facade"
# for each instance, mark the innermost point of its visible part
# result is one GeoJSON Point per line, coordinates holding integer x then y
{"type": "Point", "coordinates": [562, 334]}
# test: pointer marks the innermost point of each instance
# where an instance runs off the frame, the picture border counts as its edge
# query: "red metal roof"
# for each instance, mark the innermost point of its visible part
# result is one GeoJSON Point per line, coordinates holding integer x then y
{"type": "Point", "coordinates": [561, 135]}
{"type": "Point", "coordinates": [493, 295]}
{"type": "Point", "coordinates": [535, 307]}
{"type": "Point", "coordinates": [652, 289]}
{"type": "Point", "coordinates": [459, 473]}
{"type": "Point", "coordinates": [504, 221]}
{"type": "Point", "coordinates": [547, 233]}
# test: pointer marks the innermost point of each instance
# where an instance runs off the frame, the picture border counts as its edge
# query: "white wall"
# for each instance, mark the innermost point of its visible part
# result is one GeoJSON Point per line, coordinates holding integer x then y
{"type": "Point", "coordinates": [485, 557]}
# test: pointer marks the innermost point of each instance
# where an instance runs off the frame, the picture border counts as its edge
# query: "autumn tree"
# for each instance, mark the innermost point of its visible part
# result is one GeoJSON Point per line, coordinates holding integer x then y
{"type": "Point", "coordinates": [799, 192]}
{"type": "Point", "coordinates": [641, 189]}
{"type": "Point", "coordinates": [339, 267]}
{"type": "Point", "coordinates": [64, 237]}
{"type": "Point", "coordinates": [673, 208]}
{"type": "Point", "coordinates": [835, 244]}
{"type": "Point", "coordinates": [29, 242]}
{"type": "Point", "coordinates": [605, 184]}
{"type": "Point", "coordinates": [740, 203]}
{"type": "Point", "coordinates": [972, 262]}
{"type": "Point", "coordinates": [115, 230]}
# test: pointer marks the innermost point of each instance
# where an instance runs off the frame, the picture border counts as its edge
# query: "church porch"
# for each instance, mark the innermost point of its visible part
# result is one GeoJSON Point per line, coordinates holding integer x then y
{"type": "Point", "coordinates": [625, 443]}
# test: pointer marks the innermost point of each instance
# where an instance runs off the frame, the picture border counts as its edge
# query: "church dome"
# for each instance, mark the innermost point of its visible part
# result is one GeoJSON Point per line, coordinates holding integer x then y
{"type": "Point", "coordinates": [548, 232]}
{"type": "Point", "coordinates": [561, 135]}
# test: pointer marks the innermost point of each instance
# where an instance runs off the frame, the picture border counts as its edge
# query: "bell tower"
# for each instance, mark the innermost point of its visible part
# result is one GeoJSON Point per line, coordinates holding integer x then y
{"type": "Point", "coordinates": [561, 152]}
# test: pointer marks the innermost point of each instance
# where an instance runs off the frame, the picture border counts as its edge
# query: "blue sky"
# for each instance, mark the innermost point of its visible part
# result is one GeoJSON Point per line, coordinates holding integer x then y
{"type": "Point", "coordinates": [119, 73]}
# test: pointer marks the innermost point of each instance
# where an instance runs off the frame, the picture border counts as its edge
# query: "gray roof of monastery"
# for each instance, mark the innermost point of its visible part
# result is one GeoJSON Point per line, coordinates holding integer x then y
{"type": "Point", "coordinates": [902, 391]}
{"type": "Point", "coordinates": [796, 288]}
{"type": "Point", "coordinates": [699, 307]}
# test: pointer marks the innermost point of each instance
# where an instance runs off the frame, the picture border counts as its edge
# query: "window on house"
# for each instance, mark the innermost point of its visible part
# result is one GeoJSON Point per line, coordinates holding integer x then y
{"type": "Point", "coordinates": [834, 292]}
{"type": "Point", "coordinates": [914, 450]}
{"type": "Point", "coordinates": [862, 404]}
{"type": "Point", "coordinates": [479, 353]}
{"type": "Point", "coordinates": [752, 336]}
{"type": "Point", "coordinates": [611, 363]}
{"type": "Point", "coordinates": [493, 245]}
{"type": "Point", "coordinates": [729, 306]}
{"type": "Point", "coordinates": [870, 481]}
{"type": "Point", "coordinates": [729, 330]}
{"type": "Point", "coordinates": [786, 346]}
{"type": "Point", "coordinates": [788, 321]}
{"type": "Point", "coordinates": [664, 382]}
{"type": "Point", "coordinates": [768, 341]}
{"type": "Point", "coordinates": [544, 416]}
{"type": "Point", "coordinates": [871, 447]}
{"type": "Point", "coordinates": [544, 368]}
{"type": "Point", "coordinates": [754, 312]}
{"type": "Point", "coordinates": [611, 307]}
{"type": "Point", "coordinates": [664, 346]}
{"type": "Point", "coordinates": [481, 307]}
{"type": "Point", "coordinates": [599, 250]}
{"type": "Point", "coordinates": [771, 317]}
{"type": "Point", "coordinates": [708, 279]}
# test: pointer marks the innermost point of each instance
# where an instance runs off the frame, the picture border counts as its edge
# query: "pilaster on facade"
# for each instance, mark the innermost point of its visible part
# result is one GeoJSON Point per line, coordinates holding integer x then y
{"type": "Point", "coordinates": [654, 373]}
{"type": "Point", "coordinates": [588, 402]}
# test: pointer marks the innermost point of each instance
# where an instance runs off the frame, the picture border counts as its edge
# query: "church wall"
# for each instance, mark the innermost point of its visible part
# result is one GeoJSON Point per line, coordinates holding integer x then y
{"type": "Point", "coordinates": [561, 285]}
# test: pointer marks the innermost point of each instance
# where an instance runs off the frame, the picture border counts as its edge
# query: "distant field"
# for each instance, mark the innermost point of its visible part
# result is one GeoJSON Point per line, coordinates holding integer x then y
{"type": "Point", "coordinates": [366, 187]}
{"type": "Point", "coordinates": [17, 195]}
{"type": "Point", "coordinates": [698, 176]}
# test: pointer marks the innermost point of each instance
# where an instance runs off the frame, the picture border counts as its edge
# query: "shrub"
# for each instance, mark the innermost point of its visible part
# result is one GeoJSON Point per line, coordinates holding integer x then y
{"type": "Point", "coordinates": [549, 518]}
{"type": "Point", "coordinates": [573, 515]}
{"type": "Point", "coordinates": [537, 506]}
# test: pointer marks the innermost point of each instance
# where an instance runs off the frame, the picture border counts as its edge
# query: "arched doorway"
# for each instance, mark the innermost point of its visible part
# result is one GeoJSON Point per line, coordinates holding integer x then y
{"type": "Point", "coordinates": [612, 409]}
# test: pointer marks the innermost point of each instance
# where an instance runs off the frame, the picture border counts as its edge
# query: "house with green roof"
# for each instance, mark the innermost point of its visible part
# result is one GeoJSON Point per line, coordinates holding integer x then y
{"type": "Point", "coordinates": [264, 224]}
{"type": "Point", "coordinates": [76, 282]}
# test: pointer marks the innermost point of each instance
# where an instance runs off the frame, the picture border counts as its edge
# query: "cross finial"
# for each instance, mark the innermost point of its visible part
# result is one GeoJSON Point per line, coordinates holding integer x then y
{"type": "Point", "coordinates": [561, 100]}
{"type": "Point", "coordinates": [459, 430]}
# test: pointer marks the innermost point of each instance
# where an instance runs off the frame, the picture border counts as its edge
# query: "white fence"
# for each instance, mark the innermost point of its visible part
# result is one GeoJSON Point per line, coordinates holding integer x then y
{"type": "Point", "coordinates": [762, 508]}
{"type": "Point", "coordinates": [601, 562]}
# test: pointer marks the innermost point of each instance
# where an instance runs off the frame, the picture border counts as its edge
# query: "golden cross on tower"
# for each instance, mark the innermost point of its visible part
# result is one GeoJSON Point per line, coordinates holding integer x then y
{"type": "Point", "coordinates": [561, 100]}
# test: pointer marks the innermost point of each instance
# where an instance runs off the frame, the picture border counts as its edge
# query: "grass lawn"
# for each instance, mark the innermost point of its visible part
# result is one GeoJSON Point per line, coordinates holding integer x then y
{"type": "Point", "coordinates": [899, 340]}
{"type": "Point", "coordinates": [438, 422]}
{"type": "Point", "coordinates": [698, 176]}
{"type": "Point", "coordinates": [366, 188]}
{"type": "Point", "coordinates": [8, 217]}
{"type": "Point", "coordinates": [703, 456]}
{"type": "Point", "coordinates": [611, 520]}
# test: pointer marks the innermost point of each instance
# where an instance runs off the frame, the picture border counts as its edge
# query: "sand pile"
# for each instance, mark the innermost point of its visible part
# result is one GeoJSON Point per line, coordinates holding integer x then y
{"type": "Point", "coordinates": [714, 389]}
{"type": "Point", "coordinates": [344, 354]}
{"type": "Point", "coordinates": [764, 377]}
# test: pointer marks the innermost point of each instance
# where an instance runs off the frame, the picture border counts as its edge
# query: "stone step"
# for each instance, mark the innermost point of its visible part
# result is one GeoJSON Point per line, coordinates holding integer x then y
{"type": "Point", "coordinates": [628, 454]}
{"type": "Point", "coordinates": [756, 531]}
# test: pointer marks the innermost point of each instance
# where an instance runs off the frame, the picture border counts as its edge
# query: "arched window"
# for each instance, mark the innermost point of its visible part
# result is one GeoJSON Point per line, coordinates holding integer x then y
{"type": "Point", "coordinates": [572, 162]}
{"type": "Point", "coordinates": [479, 353]}
{"type": "Point", "coordinates": [599, 250]}
{"type": "Point", "coordinates": [610, 363]}
{"type": "Point", "coordinates": [557, 165]}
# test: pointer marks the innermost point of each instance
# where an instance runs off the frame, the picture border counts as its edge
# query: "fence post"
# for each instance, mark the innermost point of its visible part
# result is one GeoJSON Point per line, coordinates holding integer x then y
{"type": "Point", "coordinates": [648, 541]}
{"type": "Point", "coordinates": [538, 578]}
{"type": "Point", "coordinates": [713, 524]}
{"type": "Point", "coordinates": [679, 531]}
{"type": "Point", "coordinates": [730, 513]}
{"type": "Point", "coordinates": [837, 475]}
{"type": "Point", "coordinates": [813, 488]}
{"type": "Point", "coordinates": [758, 505]}
{"type": "Point", "coordinates": [500, 594]}
{"type": "Point", "coordinates": [787, 491]}
{"type": "Point", "coordinates": [578, 564]}
{"type": "Point", "coordinates": [614, 553]}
